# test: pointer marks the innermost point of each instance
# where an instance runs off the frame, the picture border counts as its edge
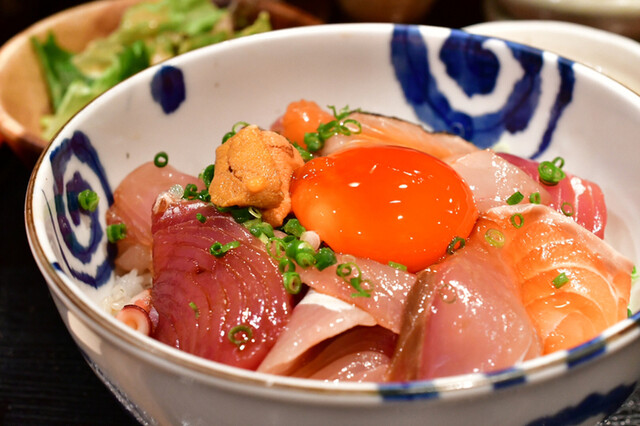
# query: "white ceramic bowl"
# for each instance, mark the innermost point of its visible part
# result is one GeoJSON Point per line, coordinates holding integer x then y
{"type": "Point", "coordinates": [612, 54]}
{"type": "Point", "coordinates": [618, 16]}
{"type": "Point", "coordinates": [404, 71]}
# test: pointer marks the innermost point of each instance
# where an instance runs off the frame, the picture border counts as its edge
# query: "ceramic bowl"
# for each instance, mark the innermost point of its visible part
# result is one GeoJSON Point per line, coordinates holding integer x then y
{"type": "Point", "coordinates": [23, 94]}
{"type": "Point", "coordinates": [424, 74]}
{"type": "Point", "coordinates": [618, 16]}
{"type": "Point", "coordinates": [612, 54]}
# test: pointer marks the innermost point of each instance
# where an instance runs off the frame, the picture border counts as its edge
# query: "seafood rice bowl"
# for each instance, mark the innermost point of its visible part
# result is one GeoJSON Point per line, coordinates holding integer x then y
{"type": "Point", "coordinates": [355, 223]}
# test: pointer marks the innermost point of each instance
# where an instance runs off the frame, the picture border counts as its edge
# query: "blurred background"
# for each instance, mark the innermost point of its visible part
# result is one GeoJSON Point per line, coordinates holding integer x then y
{"type": "Point", "coordinates": [43, 377]}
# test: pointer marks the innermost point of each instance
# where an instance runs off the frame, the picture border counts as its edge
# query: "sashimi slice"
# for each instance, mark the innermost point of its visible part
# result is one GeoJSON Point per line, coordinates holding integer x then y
{"type": "Point", "coordinates": [361, 354]}
{"type": "Point", "coordinates": [493, 179]}
{"type": "Point", "coordinates": [229, 309]}
{"type": "Point", "coordinates": [389, 288]}
{"type": "Point", "coordinates": [132, 202]}
{"type": "Point", "coordinates": [378, 129]}
{"type": "Point", "coordinates": [464, 315]}
{"type": "Point", "coordinates": [585, 199]}
{"type": "Point", "coordinates": [316, 318]}
{"type": "Point", "coordinates": [573, 284]}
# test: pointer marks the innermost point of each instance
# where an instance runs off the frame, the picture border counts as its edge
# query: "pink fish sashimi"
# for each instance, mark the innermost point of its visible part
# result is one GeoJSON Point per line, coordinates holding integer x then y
{"type": "Point", "coordinates": [393, 131]}
{"type": "Point", "coordinates": [464, 315]}
{"type": "Point", "coordinates": [585, 199]}
{"type": "Point", "coordinates": [316, 318]}
{"type": "Point", "coordinates": [357, 355]}
{"type": "Point", "coordinates": [133, 200]}
{"type": "Point", "coordinates": [493, 179]}
{"type": "Point", "coordinates": [229, 309]}
{"type": "Point", "coordinates": [389, 288]}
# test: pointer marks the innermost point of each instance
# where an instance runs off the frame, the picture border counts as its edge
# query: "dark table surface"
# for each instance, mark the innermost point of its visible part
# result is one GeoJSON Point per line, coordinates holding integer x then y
{"type": "Point", "coordinates": [43, 378]}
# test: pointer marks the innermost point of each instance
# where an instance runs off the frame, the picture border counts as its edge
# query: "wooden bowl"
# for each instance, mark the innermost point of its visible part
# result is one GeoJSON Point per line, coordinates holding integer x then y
{"type": "Point", "coordinates": [23, 93]}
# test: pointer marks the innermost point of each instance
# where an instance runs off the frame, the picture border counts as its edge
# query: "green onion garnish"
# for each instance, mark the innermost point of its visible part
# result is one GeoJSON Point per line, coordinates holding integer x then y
{"type": "Point", "coordinates": [218, 249]}
{"type": "Point", "coordinates": [494, 237]}
{"type": "Point", "coordinates": [560, 280]}
{"type": "Point", "coordinates": [345, 270]}
{"type": "Point", "coordinates": [517, 220]}
{"type": "Point", "coordinates": [515, 198]}
{"type": "Point", "coordinates": [456, 244]}
{"type": "Point", "coordinates": [244, 330]}
{"type": "Point", "coordinates": [88, 200]}
{"type": "Point", "coordinates": [161, 159]}
{"type": "Point", "coordinates": [398, 266]}
{"type": "Point", "coordinates": [207, 175]}
{"type": "Point", "coordinates": [195, 309]}
{"type": "Point", "coordinates": [293, 227]}
{"type": "Point", "coordinates": [191, 193]}
{"type": "Point", "coordinates": [325, 257]}
{"type": "Point", "coordinates": [234, 129]}
{"type": "Point", "coordinates": [534, 198]}
{"type": "Point", "coordinates": [634, 273]}
{"type": "Point", "coordinates": [567, 208]}
{"type": "Point", "coordinates": [629, 313]}
{"type": "Point", "coordinates": [550, 172]}
{"type": "Point", "coordinates": [201, 218]}
{"type": "Point", "coordinates": [315, 141]}
{"type": "Point", "coordinates": [116, 232]}
{"type": "Point", "coordinates": [292, 282]}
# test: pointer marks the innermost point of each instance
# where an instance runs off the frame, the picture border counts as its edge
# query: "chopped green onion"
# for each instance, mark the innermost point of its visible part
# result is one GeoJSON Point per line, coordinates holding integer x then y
{"type": "Point", "coordinates": [345, 270]}
{"type": "Point", "coordinates": [313, 142]}
{"type": "Point", "coordinates": [195, 309]}
{"type": "Point", "coordinates": [567, 208]}
{"type": "Point", "coordinates": [515, 198]}
{"type": "Point", "coordinates": [276, 248]}
{"type": "Point", "coordinates": [191, 193]}
{"type": "Point", "coordinates": [398, 266]}
{"type": "Point", "coordinates": [634, 273]}
{"type": "Point", "coordinates": [550, 172]}
{"type": "Point", "coordinates": [294, 227]}
{"type": "Point", "coordinates": [218, 249]}
{"type": "Point", "coordinates": [494, 237]}
{"type": "Point", "coordinates": [201, 218]}
{"type": "Point", "coordinates": [161, 159]}
{"type": "Point", "coordinates": [242, 329]}
{"type": "Point", "coordinates": [456, 244]}
{"type": "Point", "coordinates": [286, 265]}
{"type": "Point", "coordinates": [535, 198]}
{"type": "Point", "coordinates": [517, 220]}
{"type": "Point", "coordinates": [325, 257]}
{"type": "Point", "coordinates": [560, 280]}
{"type": "Point", "coordinates": [292, 282]}
{"type": "Point", "coordinates": [306, 155]}
{"type": "Point", "coordinates": [344, 112]}
{"type": "Point", "coordinates": [207, 175]}
{"type": "Point", "coordinates": [258, 228]}
{"type": "Point", "coordinates": [629, 313]}
{"type": "Point", "coordinates": [234, 130]}
{"type": "Point", "coordinates": [116, 232]}
{"type": "Point", "coordinates": [88, 200]}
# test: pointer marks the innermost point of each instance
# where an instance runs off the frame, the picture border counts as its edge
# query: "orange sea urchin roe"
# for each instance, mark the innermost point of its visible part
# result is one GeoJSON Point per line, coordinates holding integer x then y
{"type": "Point", "coordinates": [385, 203]}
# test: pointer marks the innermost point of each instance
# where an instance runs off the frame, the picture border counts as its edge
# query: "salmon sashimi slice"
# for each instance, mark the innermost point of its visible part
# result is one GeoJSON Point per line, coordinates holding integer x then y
{"type": "Point", "coordinates": [301, 117]}
{"type": "Point", "coordinates": [229, 309]}
{"type": "Point", "coordinates": [378, 129]}
{"type": "Point", "coordinates": [464, 315]}
{"type": "Point", "coordinates": [132, 202]}
{"type": "Point", "coordinates": [316, 318]}
{"type": "Point", "coordinates": [573, 284]}
{"type": "Point", "coordinates": [583, 198]}
{"type": "Point", "coordinates": [387, 287]}
{"type": "Point", "coordinates": [361, 354]}
{"type": "Point", "coordinates": [493, 179]}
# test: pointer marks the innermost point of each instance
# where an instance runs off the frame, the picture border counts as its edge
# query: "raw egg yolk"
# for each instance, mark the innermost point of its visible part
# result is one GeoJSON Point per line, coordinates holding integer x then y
{"type": "Point", "coordinates": [385, 203]}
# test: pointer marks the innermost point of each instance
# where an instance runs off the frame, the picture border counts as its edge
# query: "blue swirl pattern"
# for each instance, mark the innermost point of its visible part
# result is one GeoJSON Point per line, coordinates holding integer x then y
{"type": "Point", "coordinates": [67, 214]}
{"type": "Point", "coordinates": [475, 70]}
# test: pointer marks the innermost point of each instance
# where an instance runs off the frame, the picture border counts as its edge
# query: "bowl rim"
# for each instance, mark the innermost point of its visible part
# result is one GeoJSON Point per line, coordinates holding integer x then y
{"type": "Point", "coordinates": [610, 8]}
{"type": "Point", "coordinates": [536, 370]}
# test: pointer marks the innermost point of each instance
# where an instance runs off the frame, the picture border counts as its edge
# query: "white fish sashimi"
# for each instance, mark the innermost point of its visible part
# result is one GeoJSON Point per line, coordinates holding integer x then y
{"type": "Point", "coordinates": [315, 319]}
